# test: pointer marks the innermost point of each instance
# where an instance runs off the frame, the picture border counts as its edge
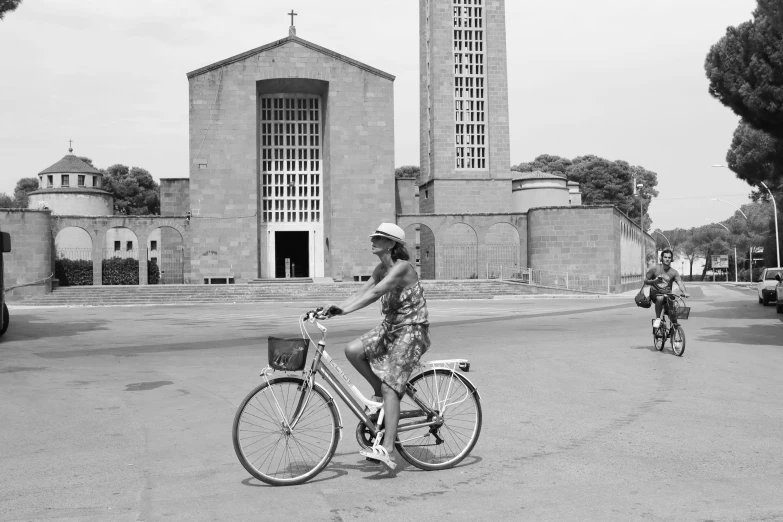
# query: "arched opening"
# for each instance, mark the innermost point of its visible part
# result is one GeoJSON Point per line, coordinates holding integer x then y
{"type": "Point", "coordinates": [460, 253]}
{"type": "Point", "coordinates": [73, 257]}
{"type": "Point", "coordinates": [166, 254]}
{"type": "Point", "coordinates": [421, 247]}
{"type": "Point", "coordinates": [503, 261]}
{"type": "Point", "coordinates": [120, 257]}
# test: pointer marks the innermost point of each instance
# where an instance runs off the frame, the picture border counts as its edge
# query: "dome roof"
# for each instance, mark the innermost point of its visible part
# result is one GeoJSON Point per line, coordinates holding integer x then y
{"type": "Point", "coordinates": [537, 174]}
{"type": "Point", "coordinates": [70, 164]}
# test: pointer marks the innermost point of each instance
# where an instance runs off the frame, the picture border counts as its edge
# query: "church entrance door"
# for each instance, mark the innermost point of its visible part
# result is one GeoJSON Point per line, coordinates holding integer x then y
{"type": "Point", "coordinates": [295, 248]}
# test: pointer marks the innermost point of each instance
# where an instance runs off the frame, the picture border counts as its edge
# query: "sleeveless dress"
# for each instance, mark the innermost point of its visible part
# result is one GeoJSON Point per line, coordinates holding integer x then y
{"type": "Point", "coordinates": [394, 348]}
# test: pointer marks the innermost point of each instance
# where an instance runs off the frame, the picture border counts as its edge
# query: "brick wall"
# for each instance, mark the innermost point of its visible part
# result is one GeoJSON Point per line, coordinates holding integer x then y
{"type": "Point", "coordinates": [455, 196]}
{"type": "Point", "coordinates": [174, 196]}
{"type": "Point", "coordinates": [31, 257]}
{"type": "Point", "coordinates": [406, 196]}
{"type": "Point", "coordinates": [358, 136]}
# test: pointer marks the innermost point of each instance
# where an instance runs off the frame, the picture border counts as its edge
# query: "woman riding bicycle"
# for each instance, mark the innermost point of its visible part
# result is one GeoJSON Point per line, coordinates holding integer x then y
{"type": "Point", "coordinates": [387, 354]}
{"type": "Point", "coordinates": [661, 278]}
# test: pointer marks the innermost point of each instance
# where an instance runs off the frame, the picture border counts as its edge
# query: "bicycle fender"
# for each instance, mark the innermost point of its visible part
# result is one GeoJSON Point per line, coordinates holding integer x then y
{"type": "Point", "coordinates": [458, 374]}
{"type": "Point", "coordinates": [339, 414]}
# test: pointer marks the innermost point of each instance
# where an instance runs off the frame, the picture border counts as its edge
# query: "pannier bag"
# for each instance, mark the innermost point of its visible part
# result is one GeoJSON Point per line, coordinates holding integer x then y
{"type": "Point", "coordinates": [642, 301]}
{"type": "Point", "coordinates": [288, 354]}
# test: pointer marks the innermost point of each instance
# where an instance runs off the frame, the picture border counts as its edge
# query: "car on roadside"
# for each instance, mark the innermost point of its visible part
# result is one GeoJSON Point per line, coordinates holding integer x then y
{"type": "Point", "coordinates": [767, 283]}
{"type": "Point", "coordinates": [779, 293]}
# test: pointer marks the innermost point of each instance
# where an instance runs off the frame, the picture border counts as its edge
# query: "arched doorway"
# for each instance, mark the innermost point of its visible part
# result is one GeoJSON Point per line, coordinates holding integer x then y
{"type": "Point", "coordinates": [73, 257]}
{"type": "Point", "coordinates": [421, 247]}
{"type": "Point", "coordinates": [166, 253]}
{"type": "Point", "coordinates": [460, 253]}
{"type": "Point", "coordinates": [120, 257]}
{"type": "Point", "coordinates": [502, 240]}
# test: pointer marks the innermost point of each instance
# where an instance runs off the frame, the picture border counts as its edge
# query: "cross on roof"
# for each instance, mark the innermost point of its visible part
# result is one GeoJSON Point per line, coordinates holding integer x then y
{"type": "Point", "coordinates": [70, 145]}
{"type": "Point", "coordinates": [292, 14]}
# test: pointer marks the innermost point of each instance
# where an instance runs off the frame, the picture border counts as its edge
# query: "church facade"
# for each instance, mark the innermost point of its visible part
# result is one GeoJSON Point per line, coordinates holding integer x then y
{"type": "Point", "coordinates": [292, 162]}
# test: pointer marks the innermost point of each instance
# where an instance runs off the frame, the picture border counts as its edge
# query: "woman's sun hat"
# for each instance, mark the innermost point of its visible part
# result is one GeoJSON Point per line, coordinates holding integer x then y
{"type": "Point", "coordinates": [390, 231]}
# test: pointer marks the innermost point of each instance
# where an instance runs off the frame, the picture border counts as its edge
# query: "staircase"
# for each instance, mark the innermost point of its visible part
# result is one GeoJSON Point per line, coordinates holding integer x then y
{"type": "Point", "coordinates": [271, 292]}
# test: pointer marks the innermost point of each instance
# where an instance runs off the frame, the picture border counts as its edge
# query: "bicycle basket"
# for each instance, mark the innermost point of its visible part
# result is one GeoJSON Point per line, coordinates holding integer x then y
{"type": "Point", "coordinates": [288, 354]}
{"type": "Point", "coordinates": [683, 312]}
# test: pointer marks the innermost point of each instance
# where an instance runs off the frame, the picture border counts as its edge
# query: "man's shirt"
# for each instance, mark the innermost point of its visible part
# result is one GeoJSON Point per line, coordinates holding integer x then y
{"type": "Point", "coordinates": [669, 276]}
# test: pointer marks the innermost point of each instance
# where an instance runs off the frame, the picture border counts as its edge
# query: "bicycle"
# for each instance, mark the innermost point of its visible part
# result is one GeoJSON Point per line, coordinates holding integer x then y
{"type": "Point", "coordinates": [673, 309]}
{"type": "Point", "coordinates": [287, 429]}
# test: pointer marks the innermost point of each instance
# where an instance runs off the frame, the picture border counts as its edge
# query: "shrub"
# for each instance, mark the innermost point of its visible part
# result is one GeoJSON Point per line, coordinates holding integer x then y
{"type": "Point", "coordinates": [73, 272]}
{"type": "Point", "coordinates": [117, 271]}
{"type": "Point", "coordinates": [153, 273]}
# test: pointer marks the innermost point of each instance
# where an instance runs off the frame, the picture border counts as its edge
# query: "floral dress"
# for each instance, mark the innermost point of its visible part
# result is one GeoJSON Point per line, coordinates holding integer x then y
{"type": "Point", "coordinates": [394, 348]}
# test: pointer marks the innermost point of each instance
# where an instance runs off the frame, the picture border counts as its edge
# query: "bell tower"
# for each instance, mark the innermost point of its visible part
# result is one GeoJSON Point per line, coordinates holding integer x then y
{"type": "Point", "coordinates": [465, 157]}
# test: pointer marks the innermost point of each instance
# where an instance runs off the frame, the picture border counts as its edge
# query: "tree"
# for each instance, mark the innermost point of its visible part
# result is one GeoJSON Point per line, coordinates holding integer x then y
{"type": "Point", "coordinates": [6, 6]}
{"type": "Point", "coordinates": [87, 160]}
{"type": "Point", "coordinates": [135, 191]}
{"type": "Point", "coordinates": [545, 163]}
{"type": "Point", "coordinates": [7, 201]}
{"type": "Point", "coordinates": [602, 182]}
{"type": "Point", "coordinates": [407, 171]}
{"type": "Point", "coordinates": [744, 66]}
{"type": "Point", "coordinates": [755, 156]}
{"type": "Point", "coordinates": [23, 187]}
{"type": "Point", "coordinates": [677, 237]}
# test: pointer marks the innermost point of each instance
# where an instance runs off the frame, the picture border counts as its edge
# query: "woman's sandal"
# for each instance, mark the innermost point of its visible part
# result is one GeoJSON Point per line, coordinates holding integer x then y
{"type": "Point", "coordinates": [378, 454]}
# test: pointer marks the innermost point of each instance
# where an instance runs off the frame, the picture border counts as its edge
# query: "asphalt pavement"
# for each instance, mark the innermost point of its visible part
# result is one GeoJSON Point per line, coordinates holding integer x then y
{"type": "Point", "coordinates": [125, 413]}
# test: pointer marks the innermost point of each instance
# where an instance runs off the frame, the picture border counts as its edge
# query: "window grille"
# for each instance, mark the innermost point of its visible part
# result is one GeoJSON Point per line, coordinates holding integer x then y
{"type": "Point", "coordinates": [80, 180]}
{"type": "Point", "coordinates": [469, 85]}
{"type": "Point", "coordinates": [291, 158]}
{"type": "Point", "coordinates": [65, 181]}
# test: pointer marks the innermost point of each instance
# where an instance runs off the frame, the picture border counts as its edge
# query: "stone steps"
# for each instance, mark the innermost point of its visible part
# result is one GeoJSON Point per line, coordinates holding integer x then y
{"type": "Point", "coordinates": [258, 292]}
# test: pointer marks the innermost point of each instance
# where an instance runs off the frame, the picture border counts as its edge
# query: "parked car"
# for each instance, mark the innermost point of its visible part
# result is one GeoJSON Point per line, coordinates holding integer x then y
{"type": "Point", "coordinates": [767, 284]}
{"type": "Point", "coordinates": [5, 239]}
{"type": "Point", "coordinates": [779, 293]}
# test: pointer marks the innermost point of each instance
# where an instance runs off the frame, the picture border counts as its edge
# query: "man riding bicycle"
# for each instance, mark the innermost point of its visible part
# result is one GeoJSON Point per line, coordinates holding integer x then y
{"type": "Point", "coordinates": [660, 278]}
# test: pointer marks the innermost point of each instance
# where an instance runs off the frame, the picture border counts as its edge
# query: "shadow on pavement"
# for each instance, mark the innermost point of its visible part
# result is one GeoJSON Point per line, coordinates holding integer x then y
{"type": "Point", "coordinates": [736, 310]}
{"type": "Point", "coordinates": [754, 334]}
{"type": "Point", "coordinates": [30, 326]}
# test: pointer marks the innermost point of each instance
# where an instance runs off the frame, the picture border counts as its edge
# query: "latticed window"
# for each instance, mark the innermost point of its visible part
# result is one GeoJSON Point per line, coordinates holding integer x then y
{"type": "Point", "coordinates": [469, 84]}
{"type": "Point", "coordinates": [291, 158]}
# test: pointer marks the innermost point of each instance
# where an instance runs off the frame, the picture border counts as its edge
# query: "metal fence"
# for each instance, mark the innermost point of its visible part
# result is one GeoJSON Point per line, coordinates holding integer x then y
{"type": "Point", "coordinates": [109, 253]}
{"type": "Point", "coordinates": [74, 254]}
{"type": "Point", "coordinates": [172, 265]}
{"type": "Point", "coordinates": [566, 280]}
{"type": "Point", "coordinates": [460, 262]}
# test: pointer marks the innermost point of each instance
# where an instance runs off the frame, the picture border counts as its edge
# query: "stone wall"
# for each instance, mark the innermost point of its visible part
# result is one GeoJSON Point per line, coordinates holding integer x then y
{"type": "Point", "coordinates": [174, 196]}
{"type": "Point", "coordinates": [406, 196]}
{"type": "Point", "coordinates": [358, 156]}
{"type": "Point", "coordinates": [585, 241]}
{"type": "Point", "coordinates": [474, 196]}
{"type": "Point", "coordinates": [30, 259]}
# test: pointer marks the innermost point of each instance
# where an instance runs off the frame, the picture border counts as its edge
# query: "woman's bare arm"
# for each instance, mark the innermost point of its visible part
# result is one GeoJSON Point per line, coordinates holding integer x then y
{"type": "Point", "coordinates": [395, 277]}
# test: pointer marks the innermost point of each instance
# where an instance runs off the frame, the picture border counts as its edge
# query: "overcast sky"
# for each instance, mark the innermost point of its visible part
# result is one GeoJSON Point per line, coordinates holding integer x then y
{"type": "Point", "coordinates": [621, 79]}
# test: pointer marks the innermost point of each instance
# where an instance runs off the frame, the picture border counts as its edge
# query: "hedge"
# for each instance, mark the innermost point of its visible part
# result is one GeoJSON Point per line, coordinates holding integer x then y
{"type": "Point", "coordinates": [73, 272]}
{"type": "Point", "coordinates": [115, 271]}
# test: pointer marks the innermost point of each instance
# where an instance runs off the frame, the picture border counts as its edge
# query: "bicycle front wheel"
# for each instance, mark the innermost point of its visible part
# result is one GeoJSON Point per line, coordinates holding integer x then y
{"type": "Point", "coordinates": [442, 446]}
{"type": "Point", "coordinates": [271, 450]}
{"type": "Point", "coordinates": [678, 340]}
{"type": "Point", "coordinates": [659, 337]}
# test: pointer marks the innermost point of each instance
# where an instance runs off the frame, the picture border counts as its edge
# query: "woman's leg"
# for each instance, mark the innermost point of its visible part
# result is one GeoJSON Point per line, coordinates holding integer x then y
{"type": "Point", "coordinates": [391, 407]}
{"type": "Point", "coordinates": [354, 351]}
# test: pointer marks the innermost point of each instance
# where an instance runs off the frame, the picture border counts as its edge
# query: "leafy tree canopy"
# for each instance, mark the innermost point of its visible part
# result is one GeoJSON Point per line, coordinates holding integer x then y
{"type": "Point", "coordinates": [406, 171]}
{"type": "Point", "coordinates": [135, 191]}
{"type": "Point", "coordinates": [744, 66]}
{"type": "Point", "coordinates": [603, 182]}
{"type": "Point", "coordinates": [6, 6]}
{"type": "Point", "coordinates": [19, 200]}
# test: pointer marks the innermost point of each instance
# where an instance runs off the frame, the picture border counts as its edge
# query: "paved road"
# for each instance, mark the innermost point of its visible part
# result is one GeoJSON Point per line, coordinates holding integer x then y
{"type": "Point", "coordinates": [125, 414]}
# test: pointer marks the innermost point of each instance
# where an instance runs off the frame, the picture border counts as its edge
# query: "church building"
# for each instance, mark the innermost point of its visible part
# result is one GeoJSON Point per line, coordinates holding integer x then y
{"type": "Point", "coordinates": [292, 162]}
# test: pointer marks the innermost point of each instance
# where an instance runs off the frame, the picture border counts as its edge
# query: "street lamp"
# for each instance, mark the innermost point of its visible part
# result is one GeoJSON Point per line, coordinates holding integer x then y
{"type": "Point", "coordinates": [775, 210]}
{"type": "Point", "coordinates": [666, 238]}
{"type": "Point", "coordinates": [750, 248]}
{"type": "Point", "coordinates": [735, 254]}
{"type": "Point", "coordinates": [775, 216]}
{"type": "Point", "coordinates": [640, 186]}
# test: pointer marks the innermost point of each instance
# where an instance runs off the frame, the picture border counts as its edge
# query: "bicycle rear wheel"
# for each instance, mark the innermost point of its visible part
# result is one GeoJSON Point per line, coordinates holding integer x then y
{"type": "Point", "coordinates": [678, 340]}
{"type": "Point", "coordinates": [272, 452]}
{"type": "Point", "coordinates": [456, 400]}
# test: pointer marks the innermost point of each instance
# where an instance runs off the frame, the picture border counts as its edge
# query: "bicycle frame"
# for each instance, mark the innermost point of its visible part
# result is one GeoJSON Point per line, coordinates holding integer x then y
{"type": "Point", "coordinates": [330, 371]}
